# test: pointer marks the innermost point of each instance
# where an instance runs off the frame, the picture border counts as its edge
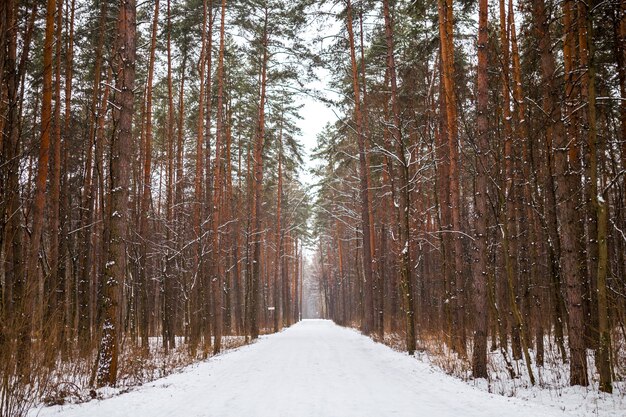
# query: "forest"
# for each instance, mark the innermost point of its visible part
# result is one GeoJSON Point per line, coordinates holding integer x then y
{"type": "Point", "coordinates": [158, 206]}
{"type": "Point", "coordinates": [472, 196]}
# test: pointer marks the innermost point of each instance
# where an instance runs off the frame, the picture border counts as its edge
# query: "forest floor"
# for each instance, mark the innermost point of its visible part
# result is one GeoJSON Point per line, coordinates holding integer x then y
{"type": "Point", "coordinates": [314, 368]}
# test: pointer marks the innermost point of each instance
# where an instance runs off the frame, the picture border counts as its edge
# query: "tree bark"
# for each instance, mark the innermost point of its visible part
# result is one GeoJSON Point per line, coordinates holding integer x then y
{"type": "Point", "coordinates": [147, 186]}
{"type": "Point", "coordinates": [447, 60]}
{"type": "Point", "coordinates": [52, 279]}
{"type": "Point", "coordinates": [406, 285]}
{"type": "Point", "coordinates": [34, 284]}
{"type": "Point", "coordinates": [255, 283]}
{"type": "Point", "coordinates": [368, 262]}
{"type": "Point", "coordinates": [115, 268]}
{"type": "Point", "coordinates": [479, 356]}
{"type": "Point", "coordinates": [169, 340]}
{"type": "Point", "coordinates": [217, 278]}
{"type": "Point", "coordinates": [567, 157]}
{"type": "Point", "coordinates": [553, 133]}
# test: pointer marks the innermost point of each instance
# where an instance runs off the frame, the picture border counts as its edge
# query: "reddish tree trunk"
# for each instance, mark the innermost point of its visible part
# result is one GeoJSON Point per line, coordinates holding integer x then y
{"type": "Point", "coordinates": [479, 357]}
{"type": "Point", "coordinates": [217, 278]}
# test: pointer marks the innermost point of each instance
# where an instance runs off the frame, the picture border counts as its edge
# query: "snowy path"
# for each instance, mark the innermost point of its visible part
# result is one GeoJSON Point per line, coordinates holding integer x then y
{"type": "Point", "coordinates": [314, 368]}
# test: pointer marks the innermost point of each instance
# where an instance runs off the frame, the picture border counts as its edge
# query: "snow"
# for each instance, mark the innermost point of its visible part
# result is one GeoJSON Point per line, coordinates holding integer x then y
{"type": "Point", "coordinates": [552, 380]}
{"type": "Point", "coordinates": [314, 368]}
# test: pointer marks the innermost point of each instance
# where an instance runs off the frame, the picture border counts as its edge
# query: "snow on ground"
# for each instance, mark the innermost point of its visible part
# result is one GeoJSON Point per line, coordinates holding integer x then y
{"type": "Point", "coordinates": [552, 380]}
{"type": "Point", "coordinates": [315, 368]}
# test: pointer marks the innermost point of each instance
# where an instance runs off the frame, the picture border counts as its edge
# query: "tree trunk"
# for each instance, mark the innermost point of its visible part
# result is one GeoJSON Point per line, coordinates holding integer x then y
{"type": "Point", "coordinates": [34, 284]}
{"type": "Point", "coordinates": [368, 265]}
{"type": "Point", "coordinates": [406, 285]}
{"type": "Point", "coordinates": [169, 340]}
{"type": "Point", "coordinates": [479, 356]}
{"type": "Point", "coordinates": [567, 158]}
{"type": "Point", "coordinates": [258, 188]}
{"type": "Point", "coordinates": [217, 278]}
{"type": "Point", "coordinates": [447, 59]}
{"type": "Point", "coordinates": [51, 287]}
{"type": "Point", "coordinates": [196, 297]}
{"type": "Point", "coordinates": [115, 268]}
{"type": "Point", "coordinates": [553, 133]}
{"type": "Point", "coordinates": [278, 242]}
{"type": "Point", "coordinates": [147, 188]}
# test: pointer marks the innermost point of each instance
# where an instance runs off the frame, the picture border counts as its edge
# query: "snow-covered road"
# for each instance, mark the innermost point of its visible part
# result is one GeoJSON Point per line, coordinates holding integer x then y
{"type": "Point", "coordinates": [314, 368]}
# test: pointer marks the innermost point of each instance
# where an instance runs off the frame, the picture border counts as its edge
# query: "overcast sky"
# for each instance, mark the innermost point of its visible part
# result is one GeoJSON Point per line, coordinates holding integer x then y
{"type": "Point", "coordinates": [315, 114]}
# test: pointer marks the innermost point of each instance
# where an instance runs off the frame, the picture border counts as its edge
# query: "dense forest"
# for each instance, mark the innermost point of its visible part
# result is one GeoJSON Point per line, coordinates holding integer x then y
{"type": "Point", "coordinates": [470, 194]}
{"type": "Point", "coordinates": [149, 184]}
{"type": "Point", "coordinates": [473, 192]}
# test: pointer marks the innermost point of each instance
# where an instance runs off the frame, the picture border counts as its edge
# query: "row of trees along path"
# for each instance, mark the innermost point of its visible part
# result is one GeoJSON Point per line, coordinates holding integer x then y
{"type": "Point", "coordinates": [149, 184]}
{"type": "Point", "coordinates": [479, 204]}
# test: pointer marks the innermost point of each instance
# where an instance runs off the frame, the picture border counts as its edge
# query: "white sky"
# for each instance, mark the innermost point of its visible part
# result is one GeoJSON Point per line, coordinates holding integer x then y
{"type": "Point", "coordinates": [316, 114]}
